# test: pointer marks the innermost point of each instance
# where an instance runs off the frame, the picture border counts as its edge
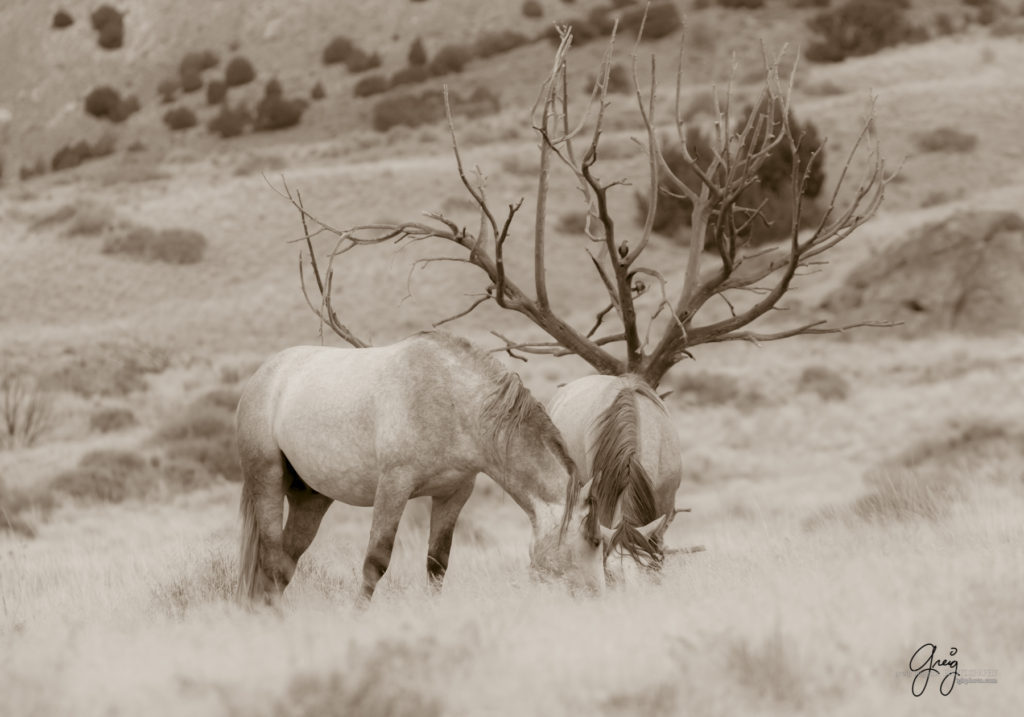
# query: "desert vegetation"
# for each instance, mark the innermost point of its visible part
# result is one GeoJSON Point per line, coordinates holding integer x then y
{"type": "Point", "coordinates": [830, 478]}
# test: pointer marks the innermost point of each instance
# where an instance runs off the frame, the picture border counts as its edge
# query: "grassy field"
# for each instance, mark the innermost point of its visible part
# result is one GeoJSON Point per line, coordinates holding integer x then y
{"type": "Point", "coordinates": [858, 496]}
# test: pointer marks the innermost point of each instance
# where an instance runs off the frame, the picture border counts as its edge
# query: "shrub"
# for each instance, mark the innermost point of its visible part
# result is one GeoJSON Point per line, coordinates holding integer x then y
{"type": "Point", "coordinates": [108, 476]}
{"type": "Point", "coordinates": [198, 62]}
{"type": "Point", "coordinates": [318, 93]}
{"type": "Point", "coordinates": [111, 418]}
{"type": "Point", "coordinates": [945, 139]}
{"type": "Point", "coordinates": [109, 23]}
{"type": "Point", "coordinates": [217, 454]}
{"type": "Point", "coordinates": [70, 156]}
{"type": "Point", "coordinates": [26, 412]}
{"type": "Point", "coordinates": [858, 27]}
{"type": "Point", "coordinates": [360, 61]}
{"type": "Point", "coordinates": [230, 121]}
{"type": "Point", "coordinates": [371, 85]}
{"type": "Point", "coordinates": [662, 19]}
{"type": "Point", "coordinates": [171, 246]}
{"type": "Point", "coordinates": [273, 88]}
{"type": "Point", "coordinates": [239, 72]}
{"type": "Point", "coordinates": [216, 91]}
{"type": "Point", "coordinates": [204, 433]}
{"type": "Point", "coordinates": [828, 383]}
{"type": "Point", "coordinates": [101, 101]}
{"type": "Point", "coordinates": [15, 503]}
{"type": "Point", "coordinates": [746, 4]}
{"type": "Point", "coordinates": [275, 113]}
{"type": "Point", "coordinates": [222, 399]}
{"type": "Point", "coordinates": [532, 8]}
{"type": "Point", "coordinates": [90, 220]}
{"type": "Point", "coordinates": [62, 19]}
{"type": "Point", "coordinates": [168, 88]}
{"type": "Point", "coordinates": [180, 118]}
{"type": "Point", "coordinates": [191, 82]}
{"type": "Point", "coordinates": [417, 53]}
{"type": "Point", "coordinates": [106, 103]}
{"type": "Point", "coordinates": [413, 110]}
{"type": "Point", "coordinates": [450, 58]}
{"type": "Point", "coordinates": [337, 50]}
{"type": "Point", "coordinates": [495, 43]}
{"type": "Point", "coordinates": [704, 388]}
{"type": "Point", "coordinates": [409, 76]}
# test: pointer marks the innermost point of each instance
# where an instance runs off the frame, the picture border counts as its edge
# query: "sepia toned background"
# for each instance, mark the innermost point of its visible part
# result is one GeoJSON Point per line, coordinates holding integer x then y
{"type": "Point", "coordinates": [858, 495]}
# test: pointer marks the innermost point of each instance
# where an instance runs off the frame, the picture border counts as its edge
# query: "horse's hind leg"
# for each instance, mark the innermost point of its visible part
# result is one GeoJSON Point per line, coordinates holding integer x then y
{"type": "Point", "coordinates": [306, 508]}
{"type": "Point", "coordinates": [444, 512]}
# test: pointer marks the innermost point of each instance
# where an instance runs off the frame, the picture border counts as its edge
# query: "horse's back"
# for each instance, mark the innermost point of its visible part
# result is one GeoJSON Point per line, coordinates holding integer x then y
{"type": "Point", "coordinates": [342, 417]}
{"type": "Point", "coordinates": [577, 406]}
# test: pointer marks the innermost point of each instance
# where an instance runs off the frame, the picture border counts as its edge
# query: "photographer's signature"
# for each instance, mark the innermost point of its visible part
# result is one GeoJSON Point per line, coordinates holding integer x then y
{"type": "Point", "coordinates": [923, 665]}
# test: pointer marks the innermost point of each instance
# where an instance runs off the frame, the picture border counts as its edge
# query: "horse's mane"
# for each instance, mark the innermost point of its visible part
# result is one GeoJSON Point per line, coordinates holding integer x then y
{"type": "Point", "coordinates": [509, 410]}
{"type": "Point", "coordinates": [618, 474]}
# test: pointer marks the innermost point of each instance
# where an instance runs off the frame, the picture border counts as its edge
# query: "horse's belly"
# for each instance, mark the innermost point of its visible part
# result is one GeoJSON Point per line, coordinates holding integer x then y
{"type": "Point", "coordinates": [345, 478]}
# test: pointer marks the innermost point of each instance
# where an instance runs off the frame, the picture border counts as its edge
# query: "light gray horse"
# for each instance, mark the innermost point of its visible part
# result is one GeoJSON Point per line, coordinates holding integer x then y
{"type": "Point", "coordinates": [621, 436]}
{"type": "Point", "coordinates": [378, 426]}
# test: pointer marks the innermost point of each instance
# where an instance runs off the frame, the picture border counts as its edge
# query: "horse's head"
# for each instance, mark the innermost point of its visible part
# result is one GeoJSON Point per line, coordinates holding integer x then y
{"type": "Point", "coordinates": [573, 550]}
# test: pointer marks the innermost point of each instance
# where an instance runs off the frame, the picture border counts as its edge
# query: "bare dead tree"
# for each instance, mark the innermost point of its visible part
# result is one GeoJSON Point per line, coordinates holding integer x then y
{"type": "Point", "coordinates": [720, 222]}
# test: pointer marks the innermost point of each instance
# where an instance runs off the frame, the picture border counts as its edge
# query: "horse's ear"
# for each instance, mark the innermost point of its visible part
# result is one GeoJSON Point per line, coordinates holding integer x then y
{"type": "Point", "coordinates": [655, 527]}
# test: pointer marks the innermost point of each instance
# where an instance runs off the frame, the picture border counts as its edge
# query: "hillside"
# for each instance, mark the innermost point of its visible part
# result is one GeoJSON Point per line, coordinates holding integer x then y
{"type": "Point", "coordinates": [830, 478]}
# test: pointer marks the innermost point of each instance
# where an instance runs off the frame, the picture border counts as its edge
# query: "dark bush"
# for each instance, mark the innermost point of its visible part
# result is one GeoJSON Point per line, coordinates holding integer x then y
{"type": "Point", "coordinates": [858, 27]}
{"type": "Point", "coordinates": [167, 89]}
{"type": "Point", "coordinates": [410, 76]}
{"type": "Point", "coordinates": [318, 93]}
{"type": "Point", "coordinates": [275, 112]}
{"type": "Point", "coordinates": [417, 53]}
{"type": "Point", "coordinates": [62, 19]}
{"type": "Point", "coordinates": [532, 8]}
{"type": "Point", "coordinates": [191, 82]}
{"type": "Point", "coordinates": [494, 43]}
{"type": "Point", "coordinates": [216, 91]}
{"type": "Point", "coordinates": [450, 58]}
{"type": "Point", "coordinates": [413, 110]}
{"type": "Point", "coordinates": [106, 102]}
{"type": "Point", "coordinates": [231, 121]}
{"type": "Point", "coordinates": [371, 85]}
{"type": "Point", "coordinates": [945, 139]}
{"type": "Point", "coordinates": [239, 72]}
{"type": "Point", "coordinates": [773, 187]}
{"type": "Point", "coordinates": [109, 419]}
{"type": "Point", "coordinates": [359, 61]}
{"type": "Point", "coordinates": [109, 23]}
{"type": "Point", "coordinates": [583, 31]}
{"type": "Point", "coordinates": [746, 4]}
{"type": "Point", "coordinates": [273, 88]}
{"type": "Point", "coordinates": [198, 62]}
{"type": "Point", "coordinates": [828, 383]}
{"type": "Point", "coordinates": [171, 246]}
{"type": "Point", "coordinates": [216, 453]}
{"type": "Point", "coordinates": [662, 20]}
{"type": "Point", "coordinates": [180, 118]}
{"type": "Point", "coordinates": [338, 50]}
{"type": "Point", "coordinates": [101, 101]}
{"type": "Point", "coordinates": [70, 156]}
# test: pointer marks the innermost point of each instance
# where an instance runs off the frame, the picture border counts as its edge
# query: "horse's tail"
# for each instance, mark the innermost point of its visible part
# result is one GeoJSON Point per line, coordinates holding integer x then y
{"type": "Point", "coordinates": [619, 476]}
{"type": "Point", "coordinates": [249, 552]}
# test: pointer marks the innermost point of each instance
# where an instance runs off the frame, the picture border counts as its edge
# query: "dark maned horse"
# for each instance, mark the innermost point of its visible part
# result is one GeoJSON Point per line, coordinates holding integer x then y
{"type": "Point", "coordinates": [620, 435]}
{"type": "Point", "coordinates": [378, 426]}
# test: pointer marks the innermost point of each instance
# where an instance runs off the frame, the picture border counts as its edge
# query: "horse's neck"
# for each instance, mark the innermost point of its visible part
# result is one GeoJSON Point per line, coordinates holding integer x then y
{"type": "Point", "coordinates": [533, 477]}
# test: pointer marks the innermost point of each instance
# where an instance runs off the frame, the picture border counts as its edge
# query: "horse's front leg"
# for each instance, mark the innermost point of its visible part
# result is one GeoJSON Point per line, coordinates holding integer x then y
{"type": "Point", "coordinates": [444, 512]}
{"type": "Point", "coordinates": [389, 501]}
